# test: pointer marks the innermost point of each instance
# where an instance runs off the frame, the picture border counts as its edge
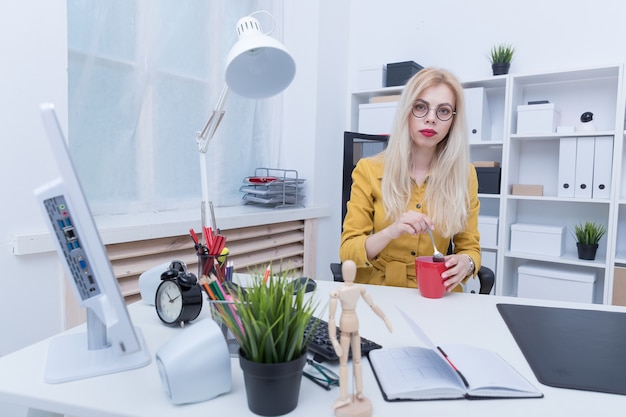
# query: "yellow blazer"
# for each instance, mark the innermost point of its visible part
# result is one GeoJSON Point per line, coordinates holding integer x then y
{"type": "Point", "coordinates": [395, 265]}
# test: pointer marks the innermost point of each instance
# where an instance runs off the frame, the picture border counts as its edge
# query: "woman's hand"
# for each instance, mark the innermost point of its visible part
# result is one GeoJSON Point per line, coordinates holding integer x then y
{"type": "Point", "coordinates": [410, 222]}
{"type": "Point", "coordinates": [458, 268]}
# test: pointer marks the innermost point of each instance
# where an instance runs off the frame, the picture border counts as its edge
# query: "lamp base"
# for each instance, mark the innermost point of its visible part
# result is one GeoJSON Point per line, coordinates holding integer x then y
{"type": "Point", "coordinates": [195, 365]}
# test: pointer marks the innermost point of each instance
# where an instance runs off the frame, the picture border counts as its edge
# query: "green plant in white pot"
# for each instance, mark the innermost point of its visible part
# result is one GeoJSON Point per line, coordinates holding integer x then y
{"type": "Point", "coordinates": [270, 326]}
{"type": "Point", "coordinates": [500, 57]}
{"type": "Point", "coordinates": [588, 235]}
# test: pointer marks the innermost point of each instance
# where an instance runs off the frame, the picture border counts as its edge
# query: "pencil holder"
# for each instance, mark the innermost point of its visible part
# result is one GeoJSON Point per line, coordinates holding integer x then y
{"type": "Point", "coordinates": [208, 264]}
{"type": "Point", "coordinates": [218, 310]}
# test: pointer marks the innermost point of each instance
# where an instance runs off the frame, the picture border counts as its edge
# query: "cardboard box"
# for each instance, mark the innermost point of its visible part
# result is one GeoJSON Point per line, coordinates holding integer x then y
{"type": "Point", "coordinates": [619, 286]}
{"type": "Point", "coordinates": [376, 118]}
{"type": "Point", "coordinates": [486, 164]}
{"type": "Point", "coordinates": [555, 282]}
{"type": "Point", "coordinates": [537, 239]}
{"type": "Point", "coordinates": [488, 229]}
{"type": "Point", "coordinates": [398, 73]}
{"type": "Point", "coordinates": [538, 118]}
{"type": "Point", "coordinates": [385, 99]}
{"type": "Point", "coordinates": [488, 180]}
{"type": "Point", "coordinates": [372, 78]}
{"type": "Point", "coordinates": [527, 189]}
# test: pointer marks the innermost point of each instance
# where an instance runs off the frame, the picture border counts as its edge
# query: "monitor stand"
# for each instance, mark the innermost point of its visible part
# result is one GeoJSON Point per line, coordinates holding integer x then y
{"type": "Point", "coordinates": [86, 354]}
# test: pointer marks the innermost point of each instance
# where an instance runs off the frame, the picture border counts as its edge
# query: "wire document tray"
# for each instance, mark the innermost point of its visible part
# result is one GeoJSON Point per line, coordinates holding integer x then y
{"type": "Point", "coordinates": [273, 187]}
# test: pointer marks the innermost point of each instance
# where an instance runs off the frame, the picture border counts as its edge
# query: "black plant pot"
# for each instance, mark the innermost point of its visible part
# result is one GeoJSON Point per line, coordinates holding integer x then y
{"type": "Point", "coordinates": [272, 389]}
{"type": "Point", "coordinates": [500, 68]}
{"type": "Point", "coordinates": [587, 251]}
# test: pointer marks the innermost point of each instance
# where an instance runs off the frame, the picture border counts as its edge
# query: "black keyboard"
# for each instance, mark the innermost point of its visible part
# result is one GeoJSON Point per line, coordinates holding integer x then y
{"type": "Point", "coordinates": [320, 345]}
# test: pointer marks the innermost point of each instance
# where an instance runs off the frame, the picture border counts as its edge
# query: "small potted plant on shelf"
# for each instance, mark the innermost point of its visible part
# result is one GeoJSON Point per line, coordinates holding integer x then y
{"type": "Point", "coordinates": [588, 235]}
{"type": "Point", "coordinates": [500, 57]}
{"type": "Point", "coordinates": [269, 319]}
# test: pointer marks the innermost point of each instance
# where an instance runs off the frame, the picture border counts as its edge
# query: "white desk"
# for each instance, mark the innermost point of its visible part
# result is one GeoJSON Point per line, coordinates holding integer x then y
{"type": "Point", "coordinates": [462, 318]}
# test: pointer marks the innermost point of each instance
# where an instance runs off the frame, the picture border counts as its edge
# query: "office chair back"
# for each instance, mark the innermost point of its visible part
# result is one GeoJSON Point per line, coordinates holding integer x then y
{"type": "Point", "coordinates": [357, 146]}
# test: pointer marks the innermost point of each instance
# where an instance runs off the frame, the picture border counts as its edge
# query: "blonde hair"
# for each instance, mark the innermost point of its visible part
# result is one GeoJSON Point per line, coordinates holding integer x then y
{"type": "Point", "coordinates": [447, 194]}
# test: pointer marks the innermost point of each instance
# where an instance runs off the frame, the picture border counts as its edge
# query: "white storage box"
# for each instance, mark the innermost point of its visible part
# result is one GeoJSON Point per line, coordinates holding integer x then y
{"type": "Point", "coordinates": [488, 229]}
{"type": "Point", "coordinates": [376, 118]}
{"type": "Point", "coordinates": [537, 239]}
{"type": "Point", "coordinates": [538, 118]}
{"type": "Point", "coordinates": [555, 282]}
{"type": "Point", "coordinates": [372, 78]}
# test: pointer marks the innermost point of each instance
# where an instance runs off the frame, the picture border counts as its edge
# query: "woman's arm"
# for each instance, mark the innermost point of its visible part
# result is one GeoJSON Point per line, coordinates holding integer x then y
{"type": "Point", "coordinates": [468, 241]}
{"type": "Point", "coordinates": [359, 221]}
{"type": "Point", "coordinates": [360, 242]}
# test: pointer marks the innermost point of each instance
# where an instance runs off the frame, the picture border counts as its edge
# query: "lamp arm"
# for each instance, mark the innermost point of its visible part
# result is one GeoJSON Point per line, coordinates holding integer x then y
{"type": "Point", "coordinates": [203, 139]}
{"type": "Point", "coordinates": [209, 129]}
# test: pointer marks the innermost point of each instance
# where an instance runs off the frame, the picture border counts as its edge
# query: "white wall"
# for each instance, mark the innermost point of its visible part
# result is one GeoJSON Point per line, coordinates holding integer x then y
{"type": "Point", "coordinates": [317, 33]}
{"type": "Point", "coordinates": [457, 35]}
{"type": "Point", "coordinates": [331, 41]}
{"type": "Point", "coordinates": [34, 69]}
{"type": "Point", "coordinates": [34, 62]}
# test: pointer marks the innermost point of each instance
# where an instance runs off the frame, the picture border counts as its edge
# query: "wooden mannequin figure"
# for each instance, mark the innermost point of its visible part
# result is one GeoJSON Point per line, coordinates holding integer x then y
{"type": "Point", "coordinates": [348, 295]}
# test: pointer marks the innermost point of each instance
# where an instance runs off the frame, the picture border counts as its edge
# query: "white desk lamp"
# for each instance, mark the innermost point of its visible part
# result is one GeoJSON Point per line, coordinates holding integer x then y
{"type": "Point", "coordinates": [257, 67]}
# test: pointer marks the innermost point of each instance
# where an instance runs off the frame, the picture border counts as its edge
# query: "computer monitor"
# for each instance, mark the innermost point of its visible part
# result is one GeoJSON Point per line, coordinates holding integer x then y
{"type": "Point", "coordinates": [110, 343]}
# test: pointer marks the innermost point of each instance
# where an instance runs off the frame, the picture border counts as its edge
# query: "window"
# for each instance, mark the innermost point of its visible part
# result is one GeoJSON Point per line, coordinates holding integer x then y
{"type": "Point", "coordinates": [144, 76]}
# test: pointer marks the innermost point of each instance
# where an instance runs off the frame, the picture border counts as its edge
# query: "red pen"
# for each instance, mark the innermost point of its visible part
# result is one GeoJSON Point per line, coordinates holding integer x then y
{"type": "Point", "coordinates": [208, 237]}
{"type": "Point", "coordinates": [454, 367]}
{"type": "Point", "coordinates": [194, 236]}
{"type": "Point", "coordinates": [196, 242]}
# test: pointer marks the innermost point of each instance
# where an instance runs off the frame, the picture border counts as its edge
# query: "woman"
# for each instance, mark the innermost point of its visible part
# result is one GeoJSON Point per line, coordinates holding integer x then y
{"type": "Point", "coordinates": [423, 180]}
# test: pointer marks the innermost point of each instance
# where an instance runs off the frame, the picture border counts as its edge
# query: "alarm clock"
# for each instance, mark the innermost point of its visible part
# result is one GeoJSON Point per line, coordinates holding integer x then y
{"type": "Point", "coordinates": [178, 297]}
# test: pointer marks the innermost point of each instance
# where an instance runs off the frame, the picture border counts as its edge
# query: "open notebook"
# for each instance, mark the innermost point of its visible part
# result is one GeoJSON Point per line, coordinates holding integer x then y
{"type": "Point", "coordinates": [446, 372]}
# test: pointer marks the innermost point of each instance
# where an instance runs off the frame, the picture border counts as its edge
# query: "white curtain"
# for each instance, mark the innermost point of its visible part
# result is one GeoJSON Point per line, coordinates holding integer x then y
{"type": "Point", "coordinates": [144, 76]}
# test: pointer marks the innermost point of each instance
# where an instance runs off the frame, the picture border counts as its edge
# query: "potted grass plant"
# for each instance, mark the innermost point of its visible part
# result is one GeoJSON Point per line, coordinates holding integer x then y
{"type": "Point", "coordinates": [269, 319]}
{"type": "Point", "coordinates": [588, 235]}
{"type": "Point", "coordinates": [500, 57]}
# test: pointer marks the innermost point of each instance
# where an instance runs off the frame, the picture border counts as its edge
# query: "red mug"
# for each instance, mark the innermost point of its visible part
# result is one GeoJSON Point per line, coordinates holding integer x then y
{"type": "Point", "coordinates": [429, 279]}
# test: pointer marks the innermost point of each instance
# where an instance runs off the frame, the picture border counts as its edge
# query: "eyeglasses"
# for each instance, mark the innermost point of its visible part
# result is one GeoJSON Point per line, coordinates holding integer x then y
{"type": "Point", "coordinates": [444, 112]}
{"type": "Point", "coordinates": [321, 375]}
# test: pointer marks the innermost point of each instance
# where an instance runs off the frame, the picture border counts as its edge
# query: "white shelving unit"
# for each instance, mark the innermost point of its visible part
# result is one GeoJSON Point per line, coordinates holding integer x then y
{"type": "Point", "coordinates": [534, 159]}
